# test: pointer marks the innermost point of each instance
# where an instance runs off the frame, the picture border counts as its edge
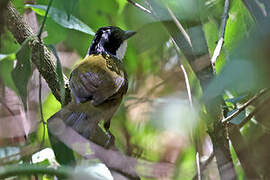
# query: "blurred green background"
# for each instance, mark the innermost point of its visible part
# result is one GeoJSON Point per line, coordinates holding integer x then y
{"type": "Point", "coordinates": [155, 121]}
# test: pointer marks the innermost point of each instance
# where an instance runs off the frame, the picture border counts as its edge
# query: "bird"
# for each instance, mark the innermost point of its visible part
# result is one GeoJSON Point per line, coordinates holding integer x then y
{"type": "Point", "coordinates": [97, 84]}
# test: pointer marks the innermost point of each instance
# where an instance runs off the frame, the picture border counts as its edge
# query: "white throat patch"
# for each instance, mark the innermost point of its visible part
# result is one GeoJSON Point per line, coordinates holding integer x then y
{"type": "Point", "coordinates": [120, 53]}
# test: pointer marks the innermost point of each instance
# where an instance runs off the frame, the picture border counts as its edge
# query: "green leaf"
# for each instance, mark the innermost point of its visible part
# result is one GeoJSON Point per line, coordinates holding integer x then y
{"type": "Point", "coordinates": [23, 71]}
{"type": "Point", "coordinates": [239, 20]}
{"type": "Point", "coordinates": [121, 4]}
{"type": "Point", "coordinates": [67, 6]}
{"type": "Point", "coordinates": [62, 18]}
{"type": "Point", "coordinates": [63, 154]}
{"type": "Point", "coordinates": [11, 57]}
{"type": "Point", "coordinates": [51, 106]}
{"type": "Point", "coordinates": [8, 43]}
{"type": "Point", "coordinates": [6, 66]}
{"type": "Point", "coordinates": [56, 33]}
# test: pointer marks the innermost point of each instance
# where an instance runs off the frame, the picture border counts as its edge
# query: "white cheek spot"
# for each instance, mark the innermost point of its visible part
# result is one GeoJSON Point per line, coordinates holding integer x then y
{"type": "Point", "coordinates": [120, 53]}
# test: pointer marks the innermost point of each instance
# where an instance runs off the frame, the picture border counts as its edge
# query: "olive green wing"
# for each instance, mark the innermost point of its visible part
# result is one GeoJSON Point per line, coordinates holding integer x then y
{"type": "Point", "coordinates": [96, 79]}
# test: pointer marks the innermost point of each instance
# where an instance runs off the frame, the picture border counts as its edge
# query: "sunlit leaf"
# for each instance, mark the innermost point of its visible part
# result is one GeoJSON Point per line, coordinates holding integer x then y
{"type": "Point", "coordinates": [61, 18]}
{"type": "Point", "coordinates": [50, 106]}
{"type": "Point", "coordinates": [7, 56]}
{"type": "Point", "coordinates": [239, 21]}
{"type": "Point", "coordinates": [238, 167]}
{"type": "Point", "coordinates": [211, 31]}
{"type": "Point", "coordinates": [63, 154]}
{"type": "Point", "coordinates": [185, 165]}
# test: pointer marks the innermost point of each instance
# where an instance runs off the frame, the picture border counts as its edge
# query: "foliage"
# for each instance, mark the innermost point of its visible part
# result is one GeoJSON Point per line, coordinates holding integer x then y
{"type": "Point", "coordinates": [156, 122]}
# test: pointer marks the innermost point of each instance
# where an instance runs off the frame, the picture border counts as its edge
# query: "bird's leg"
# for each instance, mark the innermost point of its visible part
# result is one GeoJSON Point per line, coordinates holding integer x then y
{"type": "Point", "coordinates": [110, 140]}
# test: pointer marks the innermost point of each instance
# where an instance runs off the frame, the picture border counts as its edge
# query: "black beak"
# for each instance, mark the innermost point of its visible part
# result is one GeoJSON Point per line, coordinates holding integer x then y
{"type": "Point", "coordinates": [128, 34]}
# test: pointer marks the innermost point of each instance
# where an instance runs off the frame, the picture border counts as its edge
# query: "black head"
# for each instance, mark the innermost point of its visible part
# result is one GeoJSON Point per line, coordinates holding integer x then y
{"type": "Point", "coordinates": [110, 40]}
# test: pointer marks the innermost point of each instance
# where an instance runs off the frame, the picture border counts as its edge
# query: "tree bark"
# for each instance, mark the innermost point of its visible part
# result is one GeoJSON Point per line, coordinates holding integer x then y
{"type": "Point", "coordinates": [43, 59]}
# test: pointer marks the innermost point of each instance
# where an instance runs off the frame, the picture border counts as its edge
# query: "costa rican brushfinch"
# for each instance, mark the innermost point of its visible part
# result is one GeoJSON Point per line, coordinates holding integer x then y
{"type": "Point", "coordinates": [98, 83]}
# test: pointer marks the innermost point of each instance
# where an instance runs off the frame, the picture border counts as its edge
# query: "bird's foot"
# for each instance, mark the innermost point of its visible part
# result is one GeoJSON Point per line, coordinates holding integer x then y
{"type": "Point", "coordinates": [110, 140]}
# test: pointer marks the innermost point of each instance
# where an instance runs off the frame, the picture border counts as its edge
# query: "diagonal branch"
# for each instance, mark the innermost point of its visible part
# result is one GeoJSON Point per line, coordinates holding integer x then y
{"type": "Point", "coordinates": [222, 34]}
{"type": "Point", "coordinates": [198, 166]}
{"type": "Point", "coordinates": [180, 27]}
{"type": "Point", "coordinates": [139, 6]}
{"type": "Point", "coordinates": [185, 75]}
{"type": "Point", "coordinates": [41, 55]}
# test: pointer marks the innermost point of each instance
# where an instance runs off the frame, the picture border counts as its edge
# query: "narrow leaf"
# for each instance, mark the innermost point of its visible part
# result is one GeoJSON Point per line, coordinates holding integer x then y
{"type": "Point", "coordinates": [61, 18]}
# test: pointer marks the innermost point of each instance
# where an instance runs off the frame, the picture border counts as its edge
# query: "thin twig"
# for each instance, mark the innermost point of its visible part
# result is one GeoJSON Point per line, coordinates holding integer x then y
{"type": "Point", "coordinates": [40, 82]}
{"type": "Point", "coordinates": [222, 34]}
{"type": "Point", "coordinates": [244, 106]}
{"type": "Point", "coordinates": [6, 107]}
{"type": "Point", "coordinates": [185, 75]}
{"type": "Point", "coordinates": [25, 151]}
{"type": "Point", "coordinates": [180, 27]}
{"type": "Point", "coordinates": [139, 6]}
{"type": "Point", "coordinates": [187, 84]}
{"type": "Point", "coordinates": [204, 165]}
{"type": "Point", "coordinates": [198, 165]}
{"type": "Point", "coordinates": [44, 20]}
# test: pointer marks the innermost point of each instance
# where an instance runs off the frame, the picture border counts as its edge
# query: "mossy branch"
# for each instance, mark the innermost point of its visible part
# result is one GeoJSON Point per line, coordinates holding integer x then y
{"type": "Point", "coordinates": [41, 55]}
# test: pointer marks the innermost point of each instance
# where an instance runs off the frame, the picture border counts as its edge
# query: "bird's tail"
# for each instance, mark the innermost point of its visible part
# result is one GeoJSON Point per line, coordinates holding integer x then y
{"type": "Point", "coordinates": [78, 121]}
{"type": "Point", "coordinates": [85, 124]}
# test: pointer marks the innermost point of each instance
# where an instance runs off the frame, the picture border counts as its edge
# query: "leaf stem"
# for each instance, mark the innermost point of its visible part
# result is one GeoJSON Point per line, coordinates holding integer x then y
{"type": "Point", "coordinates": [222, 34]}
{"type": "Point", "coordinates": [40, 82]}
{"type": "Point", "coordinates": [139, 6]}
{"type": "Point", "coordinates": [15, 170]}
{"type": "Point", "coordinates": [44, 20]}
